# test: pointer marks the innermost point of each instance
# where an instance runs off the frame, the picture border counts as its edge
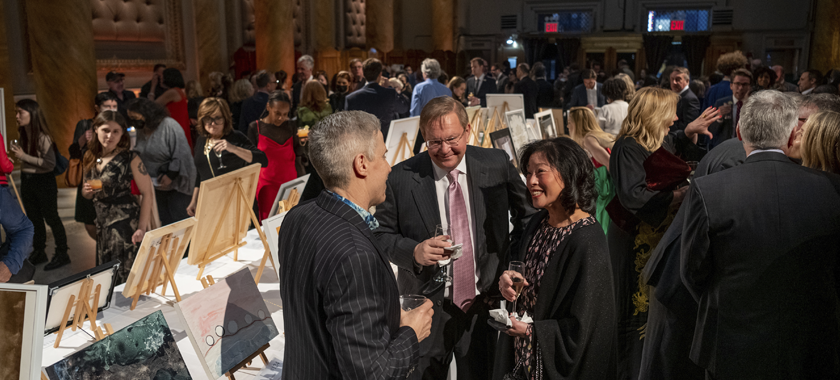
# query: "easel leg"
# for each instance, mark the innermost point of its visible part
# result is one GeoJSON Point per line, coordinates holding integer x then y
{"type": "Point", "coordinates": [169, 275]}
{"type": "Point", "coordinates": [267, 254]}
{"type": "Point", "coordinates": [64, 321]}
{"type": "Point", "coordinates": [84, 294]}
{"type": "Point", "coordinates": [143, 277]}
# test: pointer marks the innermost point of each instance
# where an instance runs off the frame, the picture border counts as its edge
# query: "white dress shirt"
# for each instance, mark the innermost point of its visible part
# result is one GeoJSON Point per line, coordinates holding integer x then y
{"type": "Point", "coordinates": [442, 191]}
{"type": "Point", "coordinates": [808, 91]}
{"type": "Point", "coordinates": [592, 96]}
{"type": "Point", "coordinates": [765, 151]}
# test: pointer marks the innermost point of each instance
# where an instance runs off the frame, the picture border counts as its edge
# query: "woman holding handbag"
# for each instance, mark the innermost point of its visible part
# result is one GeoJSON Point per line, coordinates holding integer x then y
{"type": "Point", "coordinates": [85, 211]}
{"type": "Point", "coordinates": [38, 189]}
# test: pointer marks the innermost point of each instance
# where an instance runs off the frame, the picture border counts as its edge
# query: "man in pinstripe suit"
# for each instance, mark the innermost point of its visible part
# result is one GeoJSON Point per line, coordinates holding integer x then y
{"type": "Point", "coordinates": [472, 191]}
{"type": "Point", "coordinates": [341, 309]}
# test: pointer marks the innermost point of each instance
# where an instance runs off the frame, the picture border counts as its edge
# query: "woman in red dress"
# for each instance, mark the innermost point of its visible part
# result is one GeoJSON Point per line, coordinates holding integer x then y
{"type": "Point", "coordinates": [276, 135]}
{"type": "Point", "coordinates": [175, 101]}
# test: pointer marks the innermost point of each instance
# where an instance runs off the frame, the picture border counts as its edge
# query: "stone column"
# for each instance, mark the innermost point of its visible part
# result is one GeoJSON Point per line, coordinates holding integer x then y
{"type": "Point", "coordinates": [379, 25]}
{"type": "Point", "coordinates": [208, 40]}
{"type": "Point", "coordinates": [275, 38]}
{"type": "Point", "coordinates": [825, 42]}
{"type": "Point", "coordinates": [64, 64]}
{"type": "Point", "coordinates": [443, 25]}
{"type": "Point", "coordinates": [6, 82]}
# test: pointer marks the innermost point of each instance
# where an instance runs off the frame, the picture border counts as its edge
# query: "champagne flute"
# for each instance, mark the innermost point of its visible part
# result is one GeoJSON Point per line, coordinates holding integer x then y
{"type": "Point", "coordinates": [443, 274]}
{"type": "Point", "coordinates": [518, 281]}
{"type": "Point", "coordinates": [219, 156]}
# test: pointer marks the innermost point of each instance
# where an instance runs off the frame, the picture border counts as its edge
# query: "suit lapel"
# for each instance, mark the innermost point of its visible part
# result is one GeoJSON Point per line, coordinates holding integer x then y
{"type": "Point", "coordinates": [477, 175]}
{"type": "Point", "coordinates": [424, 194]}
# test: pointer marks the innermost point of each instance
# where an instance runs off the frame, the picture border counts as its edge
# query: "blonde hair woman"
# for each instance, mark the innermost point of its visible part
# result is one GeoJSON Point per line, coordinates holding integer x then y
{"type": "Point", "coordinates": [584, 130]}
{"type": "Point", "coordinates": [821, 142]}
{"type": "Point", "coordinates": [641, 212]}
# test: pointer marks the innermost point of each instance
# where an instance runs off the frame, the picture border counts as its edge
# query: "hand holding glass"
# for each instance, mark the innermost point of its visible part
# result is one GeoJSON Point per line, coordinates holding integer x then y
{"type": "Point", "coordinates": [443, 275]}
{"type": "Point", "coordinates": [518, 281]}
{"type": "Point", "coordinates": [410, 302]}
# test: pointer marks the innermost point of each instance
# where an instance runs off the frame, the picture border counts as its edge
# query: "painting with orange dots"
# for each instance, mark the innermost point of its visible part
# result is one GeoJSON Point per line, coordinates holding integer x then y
{"type": "Point", "coordinates": [227, 322]}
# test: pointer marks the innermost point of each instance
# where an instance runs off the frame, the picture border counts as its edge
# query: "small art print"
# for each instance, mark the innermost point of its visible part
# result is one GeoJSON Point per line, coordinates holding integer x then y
{"type": "Point", "coordinates": [143, 350]}
{"type": "Point", "coordinates": [227, 322]}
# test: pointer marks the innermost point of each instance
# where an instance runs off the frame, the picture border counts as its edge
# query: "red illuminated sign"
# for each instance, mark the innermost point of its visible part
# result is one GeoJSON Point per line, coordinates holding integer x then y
{"type": "Point", "coordinates": [551, 27]}
{"type": "Point", "coordinates": [677, 25]}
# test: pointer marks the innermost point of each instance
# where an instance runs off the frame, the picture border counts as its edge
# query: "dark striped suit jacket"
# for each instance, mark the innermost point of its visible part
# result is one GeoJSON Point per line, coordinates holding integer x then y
{"type": "Point", "coordinates": [341, 307]}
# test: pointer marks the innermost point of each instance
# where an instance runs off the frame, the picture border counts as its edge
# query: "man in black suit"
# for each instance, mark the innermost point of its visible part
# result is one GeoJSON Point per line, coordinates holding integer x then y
{"type": "Point", "coordinates": [760, 254]}
{"type": "Point", "coordinates": [501, 78]}
{"type": "Point", "coordinates": [589, 93]}
{"type": "Point", "coordinates": [303, 69]}
{"type": "Point", "coordinates": [341, 302]}
{"type": "Point", "coordinates": [545, 91]}
{"type": "Point", "coordinates": [479, 84]}
{"type": "Point", "coordinates": [730, 108]}
{"type": "Point", "coordinates": [528, 88]}
{"type": "Point", "coordinates": [254, 106]}
{"type": "Point", "coordinates": [384, 103]}
{"type": "Point", "coordinates": [420, 197]}
{"type": "Point", "coordinates": [688, 108]}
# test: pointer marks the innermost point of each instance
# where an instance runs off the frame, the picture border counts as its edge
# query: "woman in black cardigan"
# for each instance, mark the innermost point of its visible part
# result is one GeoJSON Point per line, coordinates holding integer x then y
{"type": "Point", "coordinates": [568, 281]}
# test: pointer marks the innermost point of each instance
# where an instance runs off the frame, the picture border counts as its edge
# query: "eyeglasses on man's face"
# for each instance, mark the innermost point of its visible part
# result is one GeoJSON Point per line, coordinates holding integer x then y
{"type": "Point", "coordinates": [452, 141]}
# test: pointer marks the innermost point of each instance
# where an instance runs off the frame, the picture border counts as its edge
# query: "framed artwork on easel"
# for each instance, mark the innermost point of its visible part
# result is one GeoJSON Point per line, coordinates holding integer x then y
{"type": "Point", "coordinates": [400, 139]}
{"type": "Point", "coordinates": [297, 184]}
{"type": "Point", "coordinates": [502, 140]}
{"type": "Point", "coordinates": [59, 293]}
{"type": "Point", "coordinates": [22, 311]}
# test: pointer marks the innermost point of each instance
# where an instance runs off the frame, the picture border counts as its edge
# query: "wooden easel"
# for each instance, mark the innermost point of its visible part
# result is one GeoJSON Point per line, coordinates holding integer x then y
{"type": "Point", "coordinates": [492, 127]}
{"type": "Point", "coordinates": [476, 127]}
{"type": "Point", "coordinates": [238, 195]}
{"type": "Point", "coordinates": [84, 312]}
{"type": "Point", "coordinates": [17, 194]}
{"type": "Point", "coordinates": [207, 282]}
{"type": "Point", "coordinates": [404, 150]}
{"type": "Point", "coordinates": [288, 203]}
{"type": "Point", "coordinates": [156, 263]}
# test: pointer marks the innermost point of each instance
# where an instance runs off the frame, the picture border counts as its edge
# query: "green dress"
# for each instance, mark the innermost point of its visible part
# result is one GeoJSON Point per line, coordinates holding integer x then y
{"type": "Point", "coordinates": [307, 116]}
{"type": "Point", "coordinates": [606, 192]}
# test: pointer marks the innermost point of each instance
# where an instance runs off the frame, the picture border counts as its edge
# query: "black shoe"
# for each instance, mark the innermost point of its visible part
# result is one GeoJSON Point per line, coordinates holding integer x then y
{"type": "Point", "coordinates": [59, 260]}
{"type": "Point", "coordinates": [37, 257]}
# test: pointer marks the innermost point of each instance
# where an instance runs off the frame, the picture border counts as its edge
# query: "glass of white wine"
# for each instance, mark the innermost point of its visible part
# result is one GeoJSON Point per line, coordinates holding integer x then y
{"type": "Point", "coordinates": [518, 281]}
{"type": "Point", "coordinates": [443, 275]}
{"type": "Point", "coordinates": [410, 302]}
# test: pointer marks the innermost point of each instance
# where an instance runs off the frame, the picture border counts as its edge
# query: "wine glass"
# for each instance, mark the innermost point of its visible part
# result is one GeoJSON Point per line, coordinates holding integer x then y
{"type": "Point", "coordinates": [410, 302]}
{"type": "Point", "coordinates": [219, 156]}
{"type": "Point", "coordinates": [518, 281]}
{"type": "Point", "coordinates": [15, 143]}
{"type": "Point", "coordinates": [443, 275]}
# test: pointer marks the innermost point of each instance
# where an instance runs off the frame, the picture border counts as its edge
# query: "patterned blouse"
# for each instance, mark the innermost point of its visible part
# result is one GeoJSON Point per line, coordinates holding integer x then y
{"type": "Point", "coordinates": [542, 246]}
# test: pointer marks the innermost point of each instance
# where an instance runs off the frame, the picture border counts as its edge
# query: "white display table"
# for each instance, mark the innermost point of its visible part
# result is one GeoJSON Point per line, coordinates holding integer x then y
{"type": "Point", "coordinates": [119, 314]}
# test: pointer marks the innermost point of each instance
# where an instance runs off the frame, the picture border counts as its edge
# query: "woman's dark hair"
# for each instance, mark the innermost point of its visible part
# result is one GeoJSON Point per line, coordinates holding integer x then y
{"type": "Point", "coordinates": [650, 81]}
{"type": "Point", "coordinates": [280, 77]}
{"type": "Point", "coordinates": [103, 97]}
{"type": "Point", "coordinates": [94, 150]}
{"type": "Point", "coordinates": [172, 78]}
{"type": "Point", "coordinates": [761, 70]}
{"type": "Point", "coordinates": [37, 127]}
{"type": "Point", "coordinates": [279, 96]}
{"type": "Point", "coordinates": [614, 89]}
{"type": "Point", "coordinates": [575, 169]}
{"type": "Point", "coordinates": [152, 112]}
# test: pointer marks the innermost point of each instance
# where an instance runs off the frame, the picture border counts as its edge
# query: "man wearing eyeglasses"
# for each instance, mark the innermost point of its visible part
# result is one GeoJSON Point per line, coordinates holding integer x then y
{"type": "Point", "coordinates": [474, 193]}
{"type": "Point", "coordinates": [730, 107]}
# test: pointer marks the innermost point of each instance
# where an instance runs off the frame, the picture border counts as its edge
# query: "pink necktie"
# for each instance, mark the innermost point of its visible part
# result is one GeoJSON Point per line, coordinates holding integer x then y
{"type": "Point", "coordinates": [463, 282]}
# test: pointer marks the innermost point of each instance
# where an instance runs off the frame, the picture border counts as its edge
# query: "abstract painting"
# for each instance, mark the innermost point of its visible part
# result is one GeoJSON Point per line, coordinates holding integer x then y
{"type": "Point", "coordinates": [227, 322]}
{"type": "Point", "coordinates": [22, 314]}
{"type": "Point", "coordinates": [143, 350]}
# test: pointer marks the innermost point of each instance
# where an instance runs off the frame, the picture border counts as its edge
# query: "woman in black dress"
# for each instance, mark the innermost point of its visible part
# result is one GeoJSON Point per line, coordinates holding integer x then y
{"type": "Point", "coordinates": [642, 210]}
{"type": "Point", "coordinates": [219, 148]}
{"type": "Point", "coordinates": [85, 211]}
{"type": "Point", "coordinates": [568, 289]}
{"type": "Point", "coordinates": [120, 222]}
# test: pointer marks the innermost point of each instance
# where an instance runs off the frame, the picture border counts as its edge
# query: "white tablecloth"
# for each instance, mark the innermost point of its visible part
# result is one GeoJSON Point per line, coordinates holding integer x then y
{"type": "Point", "coordinates": [119, 314]}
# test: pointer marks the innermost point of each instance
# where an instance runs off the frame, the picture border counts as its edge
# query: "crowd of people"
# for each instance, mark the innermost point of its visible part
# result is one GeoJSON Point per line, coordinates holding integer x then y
{"type": "Point", "coordinates": [685, 229]}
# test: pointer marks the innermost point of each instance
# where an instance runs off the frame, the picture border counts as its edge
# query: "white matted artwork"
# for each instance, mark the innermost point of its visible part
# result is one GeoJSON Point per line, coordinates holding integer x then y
{"type": "Point", "coordinates": [545, 124]}
{"type": "Point", "coordinates": [59, 293]}
{"type": "Point", "coordinates": [518, 128]}
{"type": "Point", "coordinates": [501, 140]}
{"type": "Point", "coordinates": [285, 189]}
{"type": "Point", "coordinates": [271, 228]}
{"type": "Point", "coordinates": [497, 101]}
{"type": "Point", "coordinates": [23, 310]}
{"type": "Point", "coordinates": [400, 139]}
{"type": "Point", "coordinates": [533, 131]}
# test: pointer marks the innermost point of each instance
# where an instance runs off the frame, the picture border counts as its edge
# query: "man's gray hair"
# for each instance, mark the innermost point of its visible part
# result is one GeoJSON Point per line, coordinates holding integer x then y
{"type": "Point", "coordinates": [336, 140]}
{"type": "Point", "coordinates": [767, 120]}
{"type": "Point", "coordinates": [821, 102]}
{"type": "Point", "coordinates": [307, 61]}
{"type": "Point", "coordinates": [430, 68]}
